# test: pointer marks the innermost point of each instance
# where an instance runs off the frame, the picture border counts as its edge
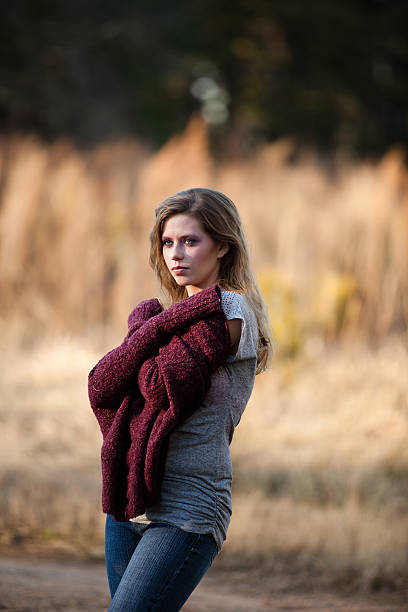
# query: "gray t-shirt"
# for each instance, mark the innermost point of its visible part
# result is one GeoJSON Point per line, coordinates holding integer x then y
{"type": "Point", "coordinates": [196, 488]}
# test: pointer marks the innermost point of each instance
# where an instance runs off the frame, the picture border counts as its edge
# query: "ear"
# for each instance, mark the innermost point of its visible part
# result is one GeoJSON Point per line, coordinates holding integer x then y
{"type": "Point", "coordinates": [222, 249]}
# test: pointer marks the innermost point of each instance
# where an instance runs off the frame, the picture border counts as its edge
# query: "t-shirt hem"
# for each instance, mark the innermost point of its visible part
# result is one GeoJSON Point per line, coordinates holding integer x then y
{"type": "Point", "coordinates": [142, 520]}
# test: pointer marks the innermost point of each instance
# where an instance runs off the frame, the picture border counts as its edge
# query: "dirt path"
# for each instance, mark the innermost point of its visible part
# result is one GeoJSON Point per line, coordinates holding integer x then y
{"type": "Point", "coordinates": [29, 585]}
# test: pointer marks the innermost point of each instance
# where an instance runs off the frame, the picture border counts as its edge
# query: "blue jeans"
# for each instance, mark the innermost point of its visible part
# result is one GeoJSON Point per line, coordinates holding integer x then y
{"type": "Point", "coordinates": [155, 566]}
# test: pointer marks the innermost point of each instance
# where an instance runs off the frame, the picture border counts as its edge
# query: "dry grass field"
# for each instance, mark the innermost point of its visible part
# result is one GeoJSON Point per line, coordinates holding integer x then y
{"type": "Point", "coordinates": [320, 460]}
{"type": "Point", "coordinates": [320, 457]}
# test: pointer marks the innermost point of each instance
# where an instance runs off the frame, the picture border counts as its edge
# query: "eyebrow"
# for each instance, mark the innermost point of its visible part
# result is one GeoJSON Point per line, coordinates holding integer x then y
{"type": "Point", "coordinates": [183, 237]}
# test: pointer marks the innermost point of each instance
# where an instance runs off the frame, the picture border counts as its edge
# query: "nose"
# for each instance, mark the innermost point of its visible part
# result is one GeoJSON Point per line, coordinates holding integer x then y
{"type": "Point", "coordinates": [177, 254]}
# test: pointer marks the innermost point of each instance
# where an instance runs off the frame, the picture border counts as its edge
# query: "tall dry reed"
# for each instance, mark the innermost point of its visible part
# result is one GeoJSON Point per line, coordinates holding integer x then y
{"type": "Point", "coordinates": [331, 249]}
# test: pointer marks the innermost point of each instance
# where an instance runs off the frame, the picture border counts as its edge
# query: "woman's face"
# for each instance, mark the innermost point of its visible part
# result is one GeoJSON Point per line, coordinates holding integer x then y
{"type": "Point", "coordinates": [191, 255]}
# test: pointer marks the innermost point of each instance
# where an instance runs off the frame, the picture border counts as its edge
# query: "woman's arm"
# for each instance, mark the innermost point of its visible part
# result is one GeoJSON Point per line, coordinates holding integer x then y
{"type": "Point", "coordinates": [183, 367]}
{"type": "Point", "coordinates": [116, 372]}
{"type": "Point", "coordinates": [104, 379]}
{"type": "Point", "coordinates": [176, 381]}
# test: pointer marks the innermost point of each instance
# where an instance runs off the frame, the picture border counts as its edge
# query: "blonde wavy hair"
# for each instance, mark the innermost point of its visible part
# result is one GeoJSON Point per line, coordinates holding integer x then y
{"type": "Point", "coordinates": [219, 218]}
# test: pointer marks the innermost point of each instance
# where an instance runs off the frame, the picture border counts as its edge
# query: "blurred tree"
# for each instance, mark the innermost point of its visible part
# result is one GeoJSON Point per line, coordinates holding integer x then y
{"type": "Point", "coordinates": [332, 75]}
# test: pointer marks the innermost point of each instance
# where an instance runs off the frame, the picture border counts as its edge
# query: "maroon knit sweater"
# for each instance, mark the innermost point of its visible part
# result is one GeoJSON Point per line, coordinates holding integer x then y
{"type": "Point", "coordinates": [142, 389]}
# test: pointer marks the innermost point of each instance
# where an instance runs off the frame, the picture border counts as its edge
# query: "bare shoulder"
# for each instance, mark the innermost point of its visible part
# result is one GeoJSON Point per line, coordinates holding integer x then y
{"type": "Point", "coordinates": [234, 327]}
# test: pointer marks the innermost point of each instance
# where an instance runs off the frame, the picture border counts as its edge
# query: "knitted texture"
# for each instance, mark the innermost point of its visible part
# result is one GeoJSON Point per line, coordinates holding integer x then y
{"type": "Point", "coordinates": [142, 389]}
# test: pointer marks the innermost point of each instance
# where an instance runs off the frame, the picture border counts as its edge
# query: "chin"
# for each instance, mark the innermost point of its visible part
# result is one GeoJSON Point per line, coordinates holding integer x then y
{"type": "Point", "coordinates": [181, 282]}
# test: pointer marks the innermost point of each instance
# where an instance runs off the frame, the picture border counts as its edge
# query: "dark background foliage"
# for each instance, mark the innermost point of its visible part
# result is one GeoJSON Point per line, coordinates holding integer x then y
{"type": "Point", "coordinates": [331, 74]}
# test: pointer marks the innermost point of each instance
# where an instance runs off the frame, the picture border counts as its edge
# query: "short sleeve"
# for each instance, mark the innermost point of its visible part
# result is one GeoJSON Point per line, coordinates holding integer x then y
{"type": "Point", "coordinates": [236, 306]}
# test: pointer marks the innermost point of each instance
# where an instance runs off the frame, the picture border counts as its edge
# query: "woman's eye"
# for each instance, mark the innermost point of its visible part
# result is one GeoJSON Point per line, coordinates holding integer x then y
{"type": "Point", "coordinates": [166, 242]}
{"type": "Point", "coordinates": [189, 241]}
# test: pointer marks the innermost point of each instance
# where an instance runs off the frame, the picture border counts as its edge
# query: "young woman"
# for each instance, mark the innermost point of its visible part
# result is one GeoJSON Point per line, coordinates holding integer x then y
{"type": "Point", "coordinates": [168, 400]}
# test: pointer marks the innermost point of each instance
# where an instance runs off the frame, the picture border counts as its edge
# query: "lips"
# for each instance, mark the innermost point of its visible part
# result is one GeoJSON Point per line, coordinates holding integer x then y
{"type": "Point", "coordinates": [179, 268]}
